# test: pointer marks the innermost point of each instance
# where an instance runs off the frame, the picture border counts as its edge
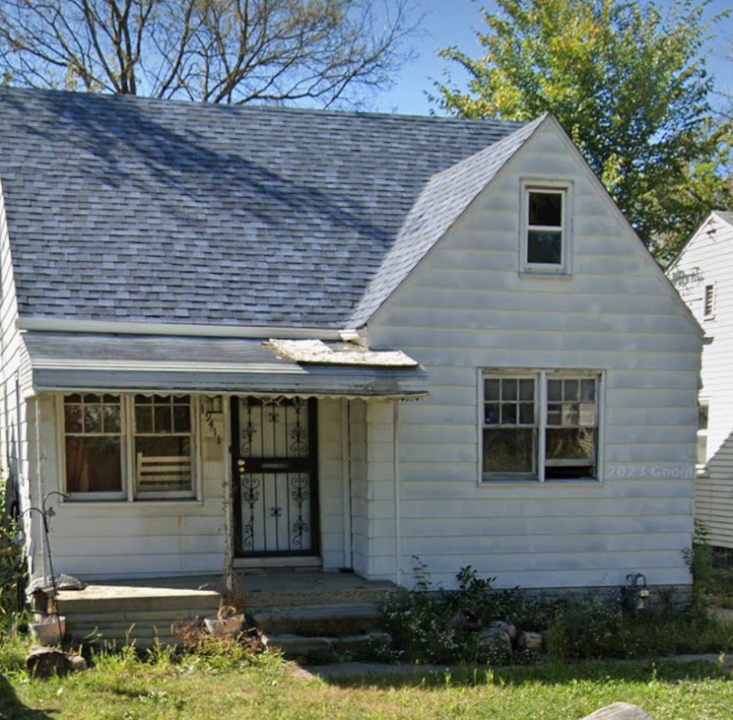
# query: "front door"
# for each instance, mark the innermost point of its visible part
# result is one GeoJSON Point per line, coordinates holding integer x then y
{"type": "Point", "coordinates": [274, 474]}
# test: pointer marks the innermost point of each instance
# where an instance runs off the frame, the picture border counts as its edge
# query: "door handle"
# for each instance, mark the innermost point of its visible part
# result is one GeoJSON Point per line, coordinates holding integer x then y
{"type": "Point", "coordinates": [240, 465]}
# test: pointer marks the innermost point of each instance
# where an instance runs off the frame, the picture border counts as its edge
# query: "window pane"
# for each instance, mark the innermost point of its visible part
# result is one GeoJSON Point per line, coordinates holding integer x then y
{"type": "Point", "coordinates": [545, 209]}
{"type": "Point", "coordinates": [588, 390]}
{"type": "Point", "coordinates": [554, 390]}
{"type": "Point", "coordinates": [702, 416]}
{"type": "Point", "coordinates": [92, 418]}
{"type": "Point", "coordinates": [143, 418]}
{"type": "Point", "coordinates": [491, 389]}
{"type": "Point", "coordinates": [72, 418]}
{"type": "Point", "coordinates": [526, 413]}
{"type": "Point", "coordinates": [588, 414]}
{"type": "Point", "coordinates": [182, 419]}
{"type": "Point", "coordinates": [111, 421]}
{"type": "Point", "coordinates": [526, 389]}
{"type": "Point", "coordinates": [509, 414]}
{"type": "Point", "coordinates": [509, 451]}
{"type": "Point", "coordinates": [554, 414]}
{"type": "Point", "coordinates": [163, 419]}
{"type": "Point", "coordinates": [544, 247]}
{"type": "Point", "coordinates": [491, 414]}
{"type": "Point", "coordinates": [92, 398]}
{"type": "Point", "coordinates": [509, 389]}
{"type": "Point", "coordinates": [143, 400]}
{"type": "Point", "coordinates": [93, 464]}
{"type": "Point", "coordinates": [570, 414]}
{"type": "Point", "coordinates": [163, 464]}
{"type": "Point", "coordinates": [570, 444]}
{"type": "Point", "coordinates": [572, 390]}
{"type": "Point", "coordinates": [702, 449]}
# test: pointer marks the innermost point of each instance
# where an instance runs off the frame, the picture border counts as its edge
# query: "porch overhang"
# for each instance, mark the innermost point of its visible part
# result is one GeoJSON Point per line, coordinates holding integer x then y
{"type": "Point", "coordinates": [201, 365]}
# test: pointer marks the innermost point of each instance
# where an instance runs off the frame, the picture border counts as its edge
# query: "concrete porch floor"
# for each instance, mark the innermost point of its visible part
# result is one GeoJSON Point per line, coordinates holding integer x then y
{"type": "Point", "coordinates": [262, 589]}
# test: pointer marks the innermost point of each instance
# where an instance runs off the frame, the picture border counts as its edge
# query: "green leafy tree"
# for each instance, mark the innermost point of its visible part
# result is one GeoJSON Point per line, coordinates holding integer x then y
{"type": "Point", "coordinates": [217, 51]}
{"type": "Point", "coordinates": [631, 88]}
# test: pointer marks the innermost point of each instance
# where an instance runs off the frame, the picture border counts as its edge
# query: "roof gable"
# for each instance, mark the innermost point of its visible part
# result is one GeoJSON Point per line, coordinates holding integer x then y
{"type": "Point", "coordinates": [443, 200]}
{"type": "Point", "coordinates": [122, 208]}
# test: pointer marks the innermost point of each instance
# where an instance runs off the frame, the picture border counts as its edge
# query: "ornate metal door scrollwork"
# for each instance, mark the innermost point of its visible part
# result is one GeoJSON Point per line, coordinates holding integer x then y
{"type": "Point", "coordinates": [275, 472]}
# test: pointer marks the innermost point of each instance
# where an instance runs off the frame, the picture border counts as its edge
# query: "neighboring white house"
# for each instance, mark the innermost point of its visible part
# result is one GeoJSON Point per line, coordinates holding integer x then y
{"type": "Point", "coordinates": [168, 270]}
{"type": "Point", "coordinates": [703, 274]}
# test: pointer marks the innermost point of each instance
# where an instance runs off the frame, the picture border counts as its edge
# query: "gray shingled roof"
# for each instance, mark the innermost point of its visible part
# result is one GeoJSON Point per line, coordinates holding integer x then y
{"type": "Point", "coordinates": [124, 208]}
{"type": "Point", "coordinates": [727, 216]}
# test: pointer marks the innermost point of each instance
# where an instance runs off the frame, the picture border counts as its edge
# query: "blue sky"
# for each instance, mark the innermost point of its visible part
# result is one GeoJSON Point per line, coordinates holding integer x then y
{"type": "Point", "coordinates": [453, 22]}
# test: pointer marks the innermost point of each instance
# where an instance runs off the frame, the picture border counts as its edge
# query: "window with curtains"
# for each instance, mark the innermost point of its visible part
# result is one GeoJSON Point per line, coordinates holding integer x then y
{"type": "Point", "coordinates": [129, 447]}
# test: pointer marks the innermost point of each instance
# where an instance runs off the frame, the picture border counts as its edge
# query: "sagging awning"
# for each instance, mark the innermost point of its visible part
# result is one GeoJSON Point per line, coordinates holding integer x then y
{"type": "Point", "coordinates": [209, 365]}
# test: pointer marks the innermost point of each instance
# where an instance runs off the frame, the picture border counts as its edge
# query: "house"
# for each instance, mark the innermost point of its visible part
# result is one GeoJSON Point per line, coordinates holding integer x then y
{"type": "Point", "coordinates": [703, 274]}
{"type": "Point", "coordinates": [245, 337]}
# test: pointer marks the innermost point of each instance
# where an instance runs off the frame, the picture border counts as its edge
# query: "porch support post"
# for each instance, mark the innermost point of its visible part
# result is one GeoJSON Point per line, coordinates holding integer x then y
{"type": "Point", "coordinates": [396, 460]}
{"type": "Point", "coordinates": [228, 497]}
{"type": "Point", "coordinates": [346, 479]}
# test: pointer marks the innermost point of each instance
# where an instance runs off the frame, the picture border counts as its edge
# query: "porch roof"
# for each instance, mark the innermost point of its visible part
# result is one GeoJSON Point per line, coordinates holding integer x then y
{"type": "Point", "coordinates": [202, 365]}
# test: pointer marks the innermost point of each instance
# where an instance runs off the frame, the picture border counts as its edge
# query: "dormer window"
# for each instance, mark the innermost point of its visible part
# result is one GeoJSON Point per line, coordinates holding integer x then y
{"type": "Point", "coordinates": [545, 228]}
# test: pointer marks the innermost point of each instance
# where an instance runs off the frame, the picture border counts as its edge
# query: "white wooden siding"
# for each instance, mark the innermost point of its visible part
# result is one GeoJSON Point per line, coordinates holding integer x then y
{"type": "Point", "coordinates": [466, 307]}
{"type": "Point", "coordinates": [13, 418]}
{"type": "Point", "coordinates": [708, 260]}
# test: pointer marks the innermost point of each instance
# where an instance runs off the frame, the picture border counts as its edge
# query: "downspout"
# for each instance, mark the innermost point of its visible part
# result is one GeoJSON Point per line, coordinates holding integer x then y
{"type": "Point", "coordinates": [396, 460]}
{"type": "Point", "coordinates": [346, 479]}
{"type": "Point", "coordinates": [39, 481]}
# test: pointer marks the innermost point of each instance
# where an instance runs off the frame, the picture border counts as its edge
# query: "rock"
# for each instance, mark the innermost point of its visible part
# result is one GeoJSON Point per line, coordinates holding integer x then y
{"type": "Point", "coordinates": [78, 663]}
{"type": "Point", "coordinates": [465, 620]}
{"type": "Point", "coordinates": [510, 629]}
{"type": "Point", "coordinates": [496, 639]}
{"type": "Point", "coordinates": [619, 711]}
{"type": "Point", "coordinates": [46, 662]}
{"type": "Point", "coordinates": [530, 641]}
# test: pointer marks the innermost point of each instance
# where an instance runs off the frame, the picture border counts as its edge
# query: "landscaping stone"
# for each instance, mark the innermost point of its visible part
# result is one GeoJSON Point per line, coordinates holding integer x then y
{"type": "Point", "coordinates": [496, 639]}
{"type": "Point", "coordinates": [619, 711]}
{"type": "Point", "coordinates": [510, 629]}
{"type": "Point", "coordinates": [47, 662]}
{"type": "Point", "coordinates": [530, 641]}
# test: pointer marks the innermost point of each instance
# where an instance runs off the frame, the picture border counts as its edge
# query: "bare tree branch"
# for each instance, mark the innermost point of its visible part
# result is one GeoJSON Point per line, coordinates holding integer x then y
{"type": "Point", "coordinates": [222, 51]}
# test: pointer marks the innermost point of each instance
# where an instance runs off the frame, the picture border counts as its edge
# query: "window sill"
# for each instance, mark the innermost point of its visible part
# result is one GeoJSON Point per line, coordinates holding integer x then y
{"type": "Point", "coordinates": [545, 274]}
{"type": "Point", "coordinates": [526, 482]}
{"type": "Point", "coordinates": [187, 502]}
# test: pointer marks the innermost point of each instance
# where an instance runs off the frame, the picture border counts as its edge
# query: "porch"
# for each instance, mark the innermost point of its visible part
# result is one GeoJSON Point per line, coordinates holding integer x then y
{"type": "Point", "coordinates": [143, 611]}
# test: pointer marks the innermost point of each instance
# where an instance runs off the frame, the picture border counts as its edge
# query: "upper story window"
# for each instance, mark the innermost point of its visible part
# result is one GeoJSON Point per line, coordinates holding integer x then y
{"type": "Point", "coordinates": [540, 425]}
{"type": "Point", "coordinates": [118, 447]}
{"type": "Point", "coordinates": [545, 228]}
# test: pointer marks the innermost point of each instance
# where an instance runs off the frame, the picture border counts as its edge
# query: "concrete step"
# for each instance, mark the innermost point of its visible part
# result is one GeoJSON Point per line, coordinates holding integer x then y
{"type": "Point", "coordinates": [336, 620]}
{"type": "Point", "coordinates": [326, 649]}
{"type": "Point", "coordinates": [108, 598]}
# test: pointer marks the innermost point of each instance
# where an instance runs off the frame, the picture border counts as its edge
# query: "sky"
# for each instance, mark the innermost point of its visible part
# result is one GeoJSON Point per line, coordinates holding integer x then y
{"type": "Point", "coordinates": [454, 22]}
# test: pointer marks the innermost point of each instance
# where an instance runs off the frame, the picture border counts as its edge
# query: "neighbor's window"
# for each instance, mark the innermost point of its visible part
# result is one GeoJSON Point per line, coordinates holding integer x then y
{"type": "Point", "coordinates": [709, 303]}
{"type": "Point", "coordinates": [542, 427]}
{"type": "Point", "coordinates": [703, 410]}
{"type": "Point", "coordinates": [163, 444]}
{"type": "Point", "coordinates": [93, 444]}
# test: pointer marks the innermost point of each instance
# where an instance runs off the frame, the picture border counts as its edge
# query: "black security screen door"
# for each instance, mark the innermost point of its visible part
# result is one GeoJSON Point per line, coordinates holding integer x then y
{"type": "Point", "coordinates": [274, 456]}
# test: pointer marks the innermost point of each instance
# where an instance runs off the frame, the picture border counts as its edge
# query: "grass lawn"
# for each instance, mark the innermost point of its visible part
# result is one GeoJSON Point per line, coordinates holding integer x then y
{"type": "Point", "coordinates": [122, 689]}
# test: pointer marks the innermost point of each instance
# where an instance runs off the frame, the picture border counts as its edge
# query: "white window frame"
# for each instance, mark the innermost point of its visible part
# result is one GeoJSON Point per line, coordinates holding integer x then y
{"type": "Point", "coordinates": [705, 314]}
{"type": "Point", "coordinates": [541, 377]}
{"type": "Point", "coordinates": [129, 481]}
{"type": "Point", "coordinates": [564, 188]}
